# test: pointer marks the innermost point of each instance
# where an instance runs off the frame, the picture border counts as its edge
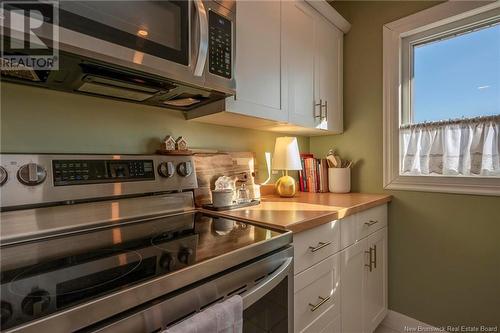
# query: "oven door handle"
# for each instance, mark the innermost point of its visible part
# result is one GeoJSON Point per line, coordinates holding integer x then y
{"type": "Point", "coordinates": [253, 295]}
{"type": "Point", "coordinates": [203, 45]}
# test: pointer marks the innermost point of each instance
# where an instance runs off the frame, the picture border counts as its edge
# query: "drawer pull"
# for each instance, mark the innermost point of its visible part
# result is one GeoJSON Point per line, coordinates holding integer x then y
{"type": "Point", "coordinates": [371, 223]}
{"type": "Point", "coordinates": [319, 246]}
{"type": "Point", "coordinates": [322, 300]}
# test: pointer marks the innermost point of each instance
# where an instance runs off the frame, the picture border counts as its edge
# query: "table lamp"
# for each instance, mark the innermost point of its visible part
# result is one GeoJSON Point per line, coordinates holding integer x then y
{"type": "Point", "coordinates": [286, 157]}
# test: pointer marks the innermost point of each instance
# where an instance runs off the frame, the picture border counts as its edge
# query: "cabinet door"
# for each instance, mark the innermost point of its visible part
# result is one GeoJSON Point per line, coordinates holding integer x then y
{"type": "Point", "coordinates": [375, 282]}
{"type": "Point", "coordinates": [352, 285]}
{"type": "Point", "coordinates": [298, 60]}
{"type": "Point", "coordinates": [258, 61]}
{"type": "Point", "coordinates": [328, 76]}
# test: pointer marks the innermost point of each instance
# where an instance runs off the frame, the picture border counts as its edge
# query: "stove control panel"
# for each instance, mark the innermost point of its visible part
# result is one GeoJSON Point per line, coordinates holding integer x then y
{"type": "Point", "coordinates": [73, 172]}
{"type": "Point", "coordinates": [28, 179]}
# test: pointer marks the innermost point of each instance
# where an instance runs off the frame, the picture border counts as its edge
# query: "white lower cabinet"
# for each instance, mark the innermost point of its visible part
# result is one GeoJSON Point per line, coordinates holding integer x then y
{"type": "Point", "coordinates": [363, 279]}
{"type": "Point", "coordinates": [352, 261]}
{"type": "Point", "coordinates": [347, 290]}
{"type": "Point", "coordinates": [375, 281]}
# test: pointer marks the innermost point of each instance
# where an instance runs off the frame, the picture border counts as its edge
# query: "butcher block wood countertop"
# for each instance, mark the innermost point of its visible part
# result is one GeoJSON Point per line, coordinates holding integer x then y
{"type": "Point", "coordinates": [305, 210]}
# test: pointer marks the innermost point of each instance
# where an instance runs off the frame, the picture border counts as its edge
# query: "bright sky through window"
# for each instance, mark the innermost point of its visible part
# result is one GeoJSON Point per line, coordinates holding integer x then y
{"type": "Point", "coordinates": [457, 77]}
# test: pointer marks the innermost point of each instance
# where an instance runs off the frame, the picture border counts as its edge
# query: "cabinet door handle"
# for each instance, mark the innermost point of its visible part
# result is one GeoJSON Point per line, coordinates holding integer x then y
{"type": "Point", "coordinates": [320, 104]}
{"type": "Point", "coordinates": [375, 256]}
{"type": "Point", "coordinates": [326, 111]}
{"type": "Point", "coordinates": [319, 246]}
{"type": "Point", "coordinates": [369, 252]}
{"type": "Point", "coordinates": [371, 223]}
{"type": "Point", "coordinates": [322, 300]}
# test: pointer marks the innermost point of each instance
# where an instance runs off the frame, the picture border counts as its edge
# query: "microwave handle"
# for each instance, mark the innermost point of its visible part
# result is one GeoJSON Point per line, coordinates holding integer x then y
{"type": "Point", "coordinates": [256, 293]}
{"type": "Point", "coordinates": [203, 46]}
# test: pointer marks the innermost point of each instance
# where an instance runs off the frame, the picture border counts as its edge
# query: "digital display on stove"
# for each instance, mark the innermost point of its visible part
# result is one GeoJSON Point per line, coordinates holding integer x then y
{"type": "Point", "coordinates": [75, 172]}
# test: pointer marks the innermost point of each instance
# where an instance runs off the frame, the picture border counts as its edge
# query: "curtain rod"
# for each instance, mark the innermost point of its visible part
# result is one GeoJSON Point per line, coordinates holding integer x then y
{"type": "Point", "coordinates": [481, 119]}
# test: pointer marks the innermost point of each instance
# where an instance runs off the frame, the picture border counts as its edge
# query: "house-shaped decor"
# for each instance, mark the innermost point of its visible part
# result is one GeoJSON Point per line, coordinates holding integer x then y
{"type": "Point", "coordinates": [181, 143]}
{"type": "Point", "coordinates": [169, 143]}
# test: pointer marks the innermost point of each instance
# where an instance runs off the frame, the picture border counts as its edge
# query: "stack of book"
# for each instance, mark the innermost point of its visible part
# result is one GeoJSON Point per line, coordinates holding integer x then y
{"type": "Point", "coordinates": [314, 174]}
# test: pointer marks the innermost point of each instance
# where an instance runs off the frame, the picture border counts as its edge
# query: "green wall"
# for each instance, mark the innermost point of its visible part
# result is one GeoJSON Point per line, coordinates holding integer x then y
{"type": "Point", "coordinates": [45, 121]}
{"type": "Point", "coordinates": [444, 249]}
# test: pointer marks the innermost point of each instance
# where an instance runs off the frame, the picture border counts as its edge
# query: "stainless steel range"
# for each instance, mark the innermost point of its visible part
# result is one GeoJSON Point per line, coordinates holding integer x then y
{"type": "Point", "coordinates": [113, 243]}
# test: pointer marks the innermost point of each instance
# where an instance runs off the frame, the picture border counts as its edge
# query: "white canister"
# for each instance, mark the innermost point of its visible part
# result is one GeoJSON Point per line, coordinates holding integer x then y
{"type": "Point", "coordinates": [339, 180]}
{"type": "Point", "coordinates": [222, 198]}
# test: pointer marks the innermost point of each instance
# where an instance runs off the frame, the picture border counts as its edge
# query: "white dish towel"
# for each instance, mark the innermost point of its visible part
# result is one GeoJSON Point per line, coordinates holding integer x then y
{"type": "Point", "coordinates": [223, 317]}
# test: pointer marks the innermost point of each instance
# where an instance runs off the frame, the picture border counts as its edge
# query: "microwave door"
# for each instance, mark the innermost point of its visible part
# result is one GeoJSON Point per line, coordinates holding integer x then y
{"type": "Point", "coordinates": [150, 36]}
{"type": "Point", "coordinates": [158, 28]}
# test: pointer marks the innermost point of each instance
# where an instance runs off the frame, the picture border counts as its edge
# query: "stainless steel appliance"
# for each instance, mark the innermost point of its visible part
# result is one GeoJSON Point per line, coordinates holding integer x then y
{"type": "Point", "coordinates": [175, 54]}
{"type": "Point", "coordinates": [113, 243]}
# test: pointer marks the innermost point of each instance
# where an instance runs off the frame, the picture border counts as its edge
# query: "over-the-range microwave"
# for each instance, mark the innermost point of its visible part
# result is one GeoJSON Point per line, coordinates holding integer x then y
{"type": "Point", "coordinates": [174, 54]}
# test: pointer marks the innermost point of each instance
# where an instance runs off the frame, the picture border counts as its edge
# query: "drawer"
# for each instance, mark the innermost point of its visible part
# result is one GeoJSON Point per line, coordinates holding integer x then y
{"type": "Point", "coordinates": [317, 294]}
{"type": "Point", "coordinates": [356, 227]}
{"type": "Point", "coordinates": [313, 245]}
{"type": "Point", "coordinates": [325, 324]}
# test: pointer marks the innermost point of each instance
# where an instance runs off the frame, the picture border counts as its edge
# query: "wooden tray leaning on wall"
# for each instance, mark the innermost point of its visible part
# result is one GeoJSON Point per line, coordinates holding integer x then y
{"type": "Point", "coordinates": [210, 166]}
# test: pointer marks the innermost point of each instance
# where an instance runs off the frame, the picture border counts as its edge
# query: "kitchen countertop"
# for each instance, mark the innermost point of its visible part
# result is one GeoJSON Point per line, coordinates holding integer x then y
{"type": "Point", "coordinates": [305, 210]}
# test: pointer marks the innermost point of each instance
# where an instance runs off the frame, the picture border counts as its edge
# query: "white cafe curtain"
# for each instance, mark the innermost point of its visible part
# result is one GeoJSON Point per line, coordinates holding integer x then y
{"type": "Point", "coordinates": [467, 147]}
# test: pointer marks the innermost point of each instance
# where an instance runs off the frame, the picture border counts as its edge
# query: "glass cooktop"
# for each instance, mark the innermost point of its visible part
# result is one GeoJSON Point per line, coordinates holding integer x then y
{"type": "Point", "coordinates": [42, 277]}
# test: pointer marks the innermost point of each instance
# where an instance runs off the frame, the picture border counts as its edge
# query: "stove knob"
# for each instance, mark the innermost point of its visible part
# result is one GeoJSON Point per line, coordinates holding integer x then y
{"type": "Point", "coordinates": [166, 261]}
{"type": "Point", "coordinates": [3, 175]}
{"type": "Point", "coordinates": [6, 312]}
{"type": "Point", "coordinates": [184, 255]}
{"type": "Point", "coordinates": [36, 302]}
{"type": "Point", "coordinates": [31, 174]}
{"type": "Point", "coordinates": [166, 169]}
{"type": "Point", "coordinates": [185, 169]}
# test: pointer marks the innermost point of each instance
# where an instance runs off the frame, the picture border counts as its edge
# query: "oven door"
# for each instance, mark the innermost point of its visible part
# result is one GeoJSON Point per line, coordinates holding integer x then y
{"type": "Point", "coordinates": [265, 285]}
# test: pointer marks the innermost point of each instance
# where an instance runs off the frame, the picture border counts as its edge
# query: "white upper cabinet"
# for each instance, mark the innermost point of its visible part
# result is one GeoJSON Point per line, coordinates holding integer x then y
{"type": "Point", "coordinates": [288, 69]}
{"type": "Point", "coordinates": [328, 76]}
{"type": "Point", "coordinates": [298, 60]}
{"type": "Point", "coordinates": [312, 75]}
{"type": "Point", "coordinates": [258, 61]}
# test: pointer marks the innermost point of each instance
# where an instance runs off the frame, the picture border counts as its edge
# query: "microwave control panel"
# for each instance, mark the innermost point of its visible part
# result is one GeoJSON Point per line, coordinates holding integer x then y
{"type": "Point", "coordinates": [220, 45]}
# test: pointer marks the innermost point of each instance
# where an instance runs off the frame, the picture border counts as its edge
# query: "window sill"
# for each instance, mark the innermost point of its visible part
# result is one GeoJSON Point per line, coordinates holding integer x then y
{"type": "Point", "coordinates": [442, 184]}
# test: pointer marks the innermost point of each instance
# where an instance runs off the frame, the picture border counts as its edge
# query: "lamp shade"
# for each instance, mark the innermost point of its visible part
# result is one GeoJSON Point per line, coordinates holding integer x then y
{"type": "Point", "coordinates": [286, 154]}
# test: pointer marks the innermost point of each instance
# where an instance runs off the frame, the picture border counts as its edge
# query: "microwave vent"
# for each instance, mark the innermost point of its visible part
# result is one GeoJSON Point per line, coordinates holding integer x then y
{"type": "Point", "coordinates": [114, 91]}
{"type": "Point", "coordinates": [182, 102]}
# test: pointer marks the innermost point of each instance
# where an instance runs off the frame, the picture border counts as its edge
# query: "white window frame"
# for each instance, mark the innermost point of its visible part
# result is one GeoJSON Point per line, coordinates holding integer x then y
{"type": "Point", "coordinates": [396, 37]}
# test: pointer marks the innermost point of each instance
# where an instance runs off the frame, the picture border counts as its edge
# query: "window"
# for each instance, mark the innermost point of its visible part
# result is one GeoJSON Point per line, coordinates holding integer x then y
{"type": "Point", "coordinates": [442, 100]}
{"type": "Point", "coordinates": [457, 76]}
